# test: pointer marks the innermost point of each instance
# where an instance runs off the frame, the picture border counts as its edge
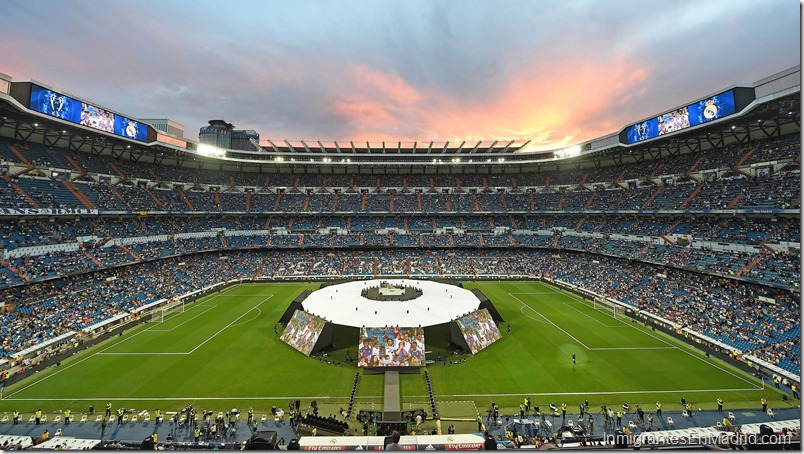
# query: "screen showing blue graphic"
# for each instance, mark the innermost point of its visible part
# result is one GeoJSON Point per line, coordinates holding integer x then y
{"type": "Point", "coordinates": [648, 129]}
{"type": "Point", "coordinates": [66, 108]}
{"type": "Point", "coordinates": [713, 108]}
{"type": "Point", "coordinates": [703, 111]}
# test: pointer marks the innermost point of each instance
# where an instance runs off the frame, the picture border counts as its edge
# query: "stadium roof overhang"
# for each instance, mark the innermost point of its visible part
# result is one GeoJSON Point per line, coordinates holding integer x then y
{"type": "Point", "coordinates": [775, 113]}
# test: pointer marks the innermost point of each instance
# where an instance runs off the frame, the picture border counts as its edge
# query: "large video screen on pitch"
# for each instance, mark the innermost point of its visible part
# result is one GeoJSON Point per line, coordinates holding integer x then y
{"type": "Point", "coordinates": [703, 111]}
{"type": "Point", "coordinates": [62, 106]}
{"type": "Point", "coordinates": [479, 330]}
{"type": "Point", "coordinates": [302, 331]}
{"type": "Point", "coordinates": [391, 347]}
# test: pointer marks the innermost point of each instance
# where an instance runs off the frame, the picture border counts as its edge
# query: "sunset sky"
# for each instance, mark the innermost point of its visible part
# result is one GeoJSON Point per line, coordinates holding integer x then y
{"type": "Point", "coordinates": [558, 72]}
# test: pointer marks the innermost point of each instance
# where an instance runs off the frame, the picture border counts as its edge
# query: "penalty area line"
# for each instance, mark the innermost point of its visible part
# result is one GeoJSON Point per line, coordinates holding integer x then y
{"type": "Point", "coordinates": [125, 339]}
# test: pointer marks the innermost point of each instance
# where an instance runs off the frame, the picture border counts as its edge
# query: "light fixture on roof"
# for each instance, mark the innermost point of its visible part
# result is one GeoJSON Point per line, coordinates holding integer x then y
{"type": "Point", "coordinates": [209, 150]}
{"type": "Point", "coordinates": [734, 127]}
{"type": "Point", "coordinates": [574, 150]}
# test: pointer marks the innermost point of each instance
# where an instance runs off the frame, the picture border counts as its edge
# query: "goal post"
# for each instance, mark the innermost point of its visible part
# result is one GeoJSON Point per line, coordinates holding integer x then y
{"type": "Point", "coordinates": [600, 303]}
{"type": "Point", "coordinates": [172, 306]}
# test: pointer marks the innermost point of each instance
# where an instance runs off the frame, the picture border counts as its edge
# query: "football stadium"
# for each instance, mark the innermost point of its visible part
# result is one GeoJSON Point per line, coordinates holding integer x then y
{"type": "Point", "coordinates": [639, 289]}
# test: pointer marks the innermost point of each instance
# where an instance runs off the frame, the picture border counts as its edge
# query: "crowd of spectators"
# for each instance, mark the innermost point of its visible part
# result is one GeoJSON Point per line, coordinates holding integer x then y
{"type": "Point", "coordinates": [722, 308]}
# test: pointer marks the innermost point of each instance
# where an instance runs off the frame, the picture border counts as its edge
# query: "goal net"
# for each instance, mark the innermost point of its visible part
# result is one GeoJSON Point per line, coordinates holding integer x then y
{"type": "Point", "coordinates": [602, 304]}
{"type": "Point", "coordinates": [173, 306]}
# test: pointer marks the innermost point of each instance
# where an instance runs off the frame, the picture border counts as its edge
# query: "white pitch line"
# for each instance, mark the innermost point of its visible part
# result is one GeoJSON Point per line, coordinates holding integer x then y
{"type": "Point", "coordinates": [182, 323]}
{"type": "Point", "coordinates": [259, 312]}
{"type": "Point", "coordinates": [634, 348]}
{"type": "Point", "coordinates": [685, 350]}
{"type": "Point", "coordinates": [62, 369]}
{"type": "Point", "coordinates": [580, 393]}
{"type": "Point", "coordinates": [551, 322]}
{"type": "Point", "coordinates": [596, 320]}
{"type": "Point", "coordinates": [230, 324]}
{"type": "Point", "coordinates": [521, 308]}
{"type": "Point", "coordinates": [196, 348]}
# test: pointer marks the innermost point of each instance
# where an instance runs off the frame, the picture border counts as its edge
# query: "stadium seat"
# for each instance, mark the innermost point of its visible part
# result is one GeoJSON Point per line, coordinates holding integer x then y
{"type": "Point", "coordinates": [719, 425]}
{"type": "Point", "coordinates": [670, 421]}
{"type": "Point", "coordinates": [58, 433]}
{"type": "Point", "coordinates": [264, 418]}
{"type": "Point", "coordinates": [99, 418]}
{"type": "Point", "coordinates": [5, 419]}
{"type": "Point", "coordinates": [685, 414]}
{"type": "Point", "coordinates": [32, 418]}
{"type": "Point", "coordinates": [570, 424]}
{"type": "Point", "coordinates": [83, 418]}
{"type": "Point", "coordinates": [770, 413]}
{"type": "Point", "coordinates": [731, 416]}
{"type": "Point", "coordinates": [134, 418]}
{"type": "Point", "coordinates": [57, 419]}
{"type": "Point", "coordinates": [147, 417]}
{"type": "Point", "coordinates": [125, 419]}
{"type": "Point", "coordinates": [632, 425]}
{"type": "Point", "coordinates": [44, 418]}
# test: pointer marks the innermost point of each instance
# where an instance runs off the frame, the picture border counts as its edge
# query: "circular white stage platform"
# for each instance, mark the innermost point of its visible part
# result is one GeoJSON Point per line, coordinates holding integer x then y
{"type": "Point", "coordinates": [342, 304]}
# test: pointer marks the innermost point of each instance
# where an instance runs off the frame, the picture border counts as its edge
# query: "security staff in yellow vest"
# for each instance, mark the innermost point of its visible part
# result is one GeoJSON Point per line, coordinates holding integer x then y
{"type": "Point", "coordinates": [16, 417]}
{"type": "Point", "coordinates": [109, 408]}
{"type": "Point", "coordinates": [67, 414]}
{"type": "Point", "coordinates": [38, 416]}
{"type": "Point", "coordinates": [720, 405]}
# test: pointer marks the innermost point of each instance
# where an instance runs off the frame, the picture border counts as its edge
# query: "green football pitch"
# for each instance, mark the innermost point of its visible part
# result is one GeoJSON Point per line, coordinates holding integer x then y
{"type": "Point", "coordinates": [222, 352]}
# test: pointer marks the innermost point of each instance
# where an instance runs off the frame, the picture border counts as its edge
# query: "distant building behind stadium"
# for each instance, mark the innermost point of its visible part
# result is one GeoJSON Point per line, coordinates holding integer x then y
{"type": "Point", "coordinates": [166, 125]}
{"type": "Point", "coordinates": [221, 134]}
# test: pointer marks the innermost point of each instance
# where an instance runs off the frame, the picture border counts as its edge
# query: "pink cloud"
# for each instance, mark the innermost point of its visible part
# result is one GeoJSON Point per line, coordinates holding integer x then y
{"type": "Point", "coordinates": [553, 108]}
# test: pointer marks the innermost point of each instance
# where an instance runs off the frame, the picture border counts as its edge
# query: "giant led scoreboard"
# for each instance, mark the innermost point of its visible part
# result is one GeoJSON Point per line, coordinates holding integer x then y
{"type": "Point", "coordinates": [709, 109]}
{"type": "Point", "coordinates": [58, 105]}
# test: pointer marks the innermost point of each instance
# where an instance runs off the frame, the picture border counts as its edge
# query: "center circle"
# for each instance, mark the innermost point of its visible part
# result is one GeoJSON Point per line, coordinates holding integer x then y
{"type": "Point", "coordinates": [391, 291]}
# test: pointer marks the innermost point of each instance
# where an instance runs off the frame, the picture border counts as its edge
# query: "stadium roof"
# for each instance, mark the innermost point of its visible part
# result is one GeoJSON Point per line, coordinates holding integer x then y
{"type": "Point", "coordinates": [774, 109]}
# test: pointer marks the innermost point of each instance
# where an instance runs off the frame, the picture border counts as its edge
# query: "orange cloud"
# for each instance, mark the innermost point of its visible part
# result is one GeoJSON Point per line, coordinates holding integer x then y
{"type": "Point", "coordinates": [553, 108]}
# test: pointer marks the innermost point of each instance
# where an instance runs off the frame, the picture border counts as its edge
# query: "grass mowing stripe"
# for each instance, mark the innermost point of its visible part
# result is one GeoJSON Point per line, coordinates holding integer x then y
{"type": "Point", "coordinates": [225, 291]}
{"type": "Point", "coordinates": [230, 324]}
{"type": "Point", "coordinates": [580, 300]}
{"type": "Point", "coordinates": [551, 322]}
{"type": "Point", "coordinates": [245, 361]}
